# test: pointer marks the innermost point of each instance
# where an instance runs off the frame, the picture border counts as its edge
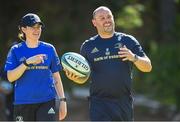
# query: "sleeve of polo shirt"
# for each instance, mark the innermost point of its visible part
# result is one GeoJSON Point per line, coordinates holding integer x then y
{"type": "Point", "coordinates": [11, 61]}
{"type": "Point", "coordinates": [55, 64]}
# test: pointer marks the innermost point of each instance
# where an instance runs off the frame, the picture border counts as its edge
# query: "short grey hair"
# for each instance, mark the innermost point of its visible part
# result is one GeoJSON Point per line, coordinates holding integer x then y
{"type": "Point", "coordinates": [100, 8]}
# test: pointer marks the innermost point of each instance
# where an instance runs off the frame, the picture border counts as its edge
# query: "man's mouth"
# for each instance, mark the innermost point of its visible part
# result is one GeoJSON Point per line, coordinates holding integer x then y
{"type": "Point", "coordinates": [107, 24]}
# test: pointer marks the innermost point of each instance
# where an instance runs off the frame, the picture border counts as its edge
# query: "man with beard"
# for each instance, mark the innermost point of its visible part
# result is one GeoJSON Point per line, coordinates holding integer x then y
{"type": "Point", "coordinates": [111, 56]}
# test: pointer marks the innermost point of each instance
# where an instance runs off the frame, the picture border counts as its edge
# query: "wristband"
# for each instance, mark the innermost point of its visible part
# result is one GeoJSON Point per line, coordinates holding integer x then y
{"type": "Point", "coordinates": [25, 63]}
{"type": "Point", "coordinates": [135, 58]}
{"type": "Point", "coordinates": [63, 99]}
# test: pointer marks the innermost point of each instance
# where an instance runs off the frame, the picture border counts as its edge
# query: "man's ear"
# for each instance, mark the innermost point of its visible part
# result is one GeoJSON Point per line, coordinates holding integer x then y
{"type": "Point", "coordinates": [94, 22]}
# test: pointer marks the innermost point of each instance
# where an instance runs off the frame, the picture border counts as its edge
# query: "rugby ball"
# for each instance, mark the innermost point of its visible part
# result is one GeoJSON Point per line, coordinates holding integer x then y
{"type": "Point", "coordinates": [76, 64]}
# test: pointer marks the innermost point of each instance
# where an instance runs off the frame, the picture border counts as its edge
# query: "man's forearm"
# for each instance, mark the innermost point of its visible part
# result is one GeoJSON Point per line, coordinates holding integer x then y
{"type": "Point", "coordinates": [143, 64]}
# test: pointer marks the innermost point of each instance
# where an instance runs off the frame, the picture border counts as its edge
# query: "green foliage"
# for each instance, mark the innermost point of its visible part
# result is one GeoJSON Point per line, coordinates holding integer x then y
{"type": "Point", "coordinates": [130, 17]}
{"type": "Point", "coordinates": [177, 1]}
{"type": "Point", "coordinates": [68, 24]}
{"type": "Point", "coordinates": [163, 82]}
{"type": "Point", "coordinates": [176, 29]}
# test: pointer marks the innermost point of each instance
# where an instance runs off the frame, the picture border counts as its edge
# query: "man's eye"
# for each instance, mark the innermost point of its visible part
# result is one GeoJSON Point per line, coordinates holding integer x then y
{"type": "Point", "coordinates": [102, 18]}
{"type": "Point", "coordinates": [109, 17]}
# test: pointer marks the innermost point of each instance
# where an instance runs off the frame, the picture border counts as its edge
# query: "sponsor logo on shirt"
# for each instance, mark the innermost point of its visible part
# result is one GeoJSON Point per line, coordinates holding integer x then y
{"type": "Point", "coordinates": [19, 119]}
{"type": "Point", "coordinates": [106, 58]}
{"type": "Point", "coordinates": [95, 50]}
{"type": "Point", "coordinates": [51, 111]}
{"type": "Point", "coordinates": [37, 67]}
{"type": "Point", "coordinates": [118, 45]}
{"type": "Point", "coordinates": [45, 57]}
{"type": "Point", "coordinates": [119, 38]}
{"type": "Point", "coordinates": [107, 51]}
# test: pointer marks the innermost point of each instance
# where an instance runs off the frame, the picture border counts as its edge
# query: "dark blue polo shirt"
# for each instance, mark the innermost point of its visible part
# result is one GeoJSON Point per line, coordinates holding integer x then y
{"type": "Point", "coordinates": [110, 77]}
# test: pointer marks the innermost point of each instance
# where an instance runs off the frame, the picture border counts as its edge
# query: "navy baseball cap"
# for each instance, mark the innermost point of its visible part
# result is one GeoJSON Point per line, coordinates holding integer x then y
{"type": "Point", "coordinates": [30, 19]}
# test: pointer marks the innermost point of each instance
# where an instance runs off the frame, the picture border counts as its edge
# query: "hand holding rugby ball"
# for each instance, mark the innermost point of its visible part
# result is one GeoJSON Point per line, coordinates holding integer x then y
{"type": "Point", "coordinates": [76, 64]}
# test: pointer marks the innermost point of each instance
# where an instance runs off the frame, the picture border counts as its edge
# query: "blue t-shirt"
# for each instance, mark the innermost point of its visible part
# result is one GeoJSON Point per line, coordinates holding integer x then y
{"type": "Point", "coordinates": [110, 76]}
{"type": "Point", "coordinates": [36, 85]}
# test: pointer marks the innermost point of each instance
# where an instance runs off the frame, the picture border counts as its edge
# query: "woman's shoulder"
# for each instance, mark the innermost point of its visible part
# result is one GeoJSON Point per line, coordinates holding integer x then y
{"type": "Point", "coordinates": [46, 44]}
{"type": "Point", "coordinates": [17, 45]}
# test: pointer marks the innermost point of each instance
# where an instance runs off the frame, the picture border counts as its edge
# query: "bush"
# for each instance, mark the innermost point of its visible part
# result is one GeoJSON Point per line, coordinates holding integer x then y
{"type": "Point", "coordinates": [163, 82]}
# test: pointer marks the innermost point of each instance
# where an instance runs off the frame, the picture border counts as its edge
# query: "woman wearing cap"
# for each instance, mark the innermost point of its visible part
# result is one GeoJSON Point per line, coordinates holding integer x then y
{"type": "Point", "coordinates": [34, 67]}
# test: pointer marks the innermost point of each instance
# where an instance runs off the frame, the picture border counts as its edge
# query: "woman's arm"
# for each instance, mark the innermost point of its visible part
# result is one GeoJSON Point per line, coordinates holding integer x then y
{"type": "Point", "coordinates": [16, 73]}
{"type": "Point", "coordinates": [60, 93]}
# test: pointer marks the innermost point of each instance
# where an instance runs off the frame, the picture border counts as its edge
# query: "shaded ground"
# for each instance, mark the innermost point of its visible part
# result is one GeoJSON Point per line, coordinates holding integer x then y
{"type": "Point", "coordinates": [77, 110]}
{"type": "Point", "coordinates": [144, 109]}
{"type": "Point", "coordinates": [148, 111]}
